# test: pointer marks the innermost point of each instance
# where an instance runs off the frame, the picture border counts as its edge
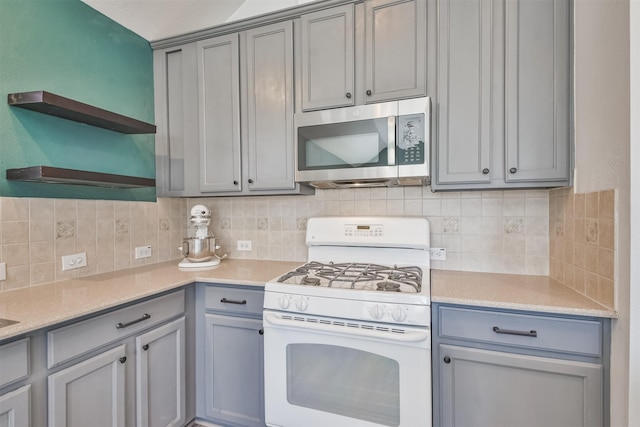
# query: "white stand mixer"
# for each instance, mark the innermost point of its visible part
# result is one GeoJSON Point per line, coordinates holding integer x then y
{"type": "Point", "coordinates": [200, 251]}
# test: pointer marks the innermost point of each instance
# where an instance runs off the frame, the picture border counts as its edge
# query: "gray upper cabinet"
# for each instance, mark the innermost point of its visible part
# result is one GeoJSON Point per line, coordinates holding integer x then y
{"type": "Point", "coordinates": [362, 53]}
{"type": "Point", "coordinates": [537, 90]}
{"type": "Point", "coordinates": [395, 49]}
{"type": "Point", "coordinates": [503, 86]}
{"type": "Point", "coordinates": [176, 112]}
{"type": "Point", "coordinates": [328, 58]}
{"type": "Point", "coordinates": [219, 120]}
{"type": "Point", "coordinates": [269, 162]}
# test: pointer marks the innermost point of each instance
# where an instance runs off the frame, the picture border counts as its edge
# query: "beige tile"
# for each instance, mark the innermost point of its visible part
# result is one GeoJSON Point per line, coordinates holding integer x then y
{"type": "Point", "coordinates": [451, 207]}
{"type": "Point", "coordinates": [579, 205]}
{"type": "Point", "coordinates": [579, 280]}
{"type": "Point", "coordinates": [17, 277]}
{"type": "Point", "coordinates": [537, 246]}
{"type": "Point", "coordinates": [514, 245]}
{"type": "Point", "coordinates": [580, 231]}
{"type": "Point", "coordinates": [515, 264]}
{"type": "Point", "coordinates": [591, 255]}
{"type": "Point", "coordinates": [606, 292]}
{"type": "Point", "coordinates": [606, 263]}
{"type": "Point", "coordinates": [537, 265]}
{"type": "Point", "coordinates": [569, 276]}
{"type": "Point", "coordinates": [14, 209]}
{"type": "Point", "coordinates": [591, 205]}
{"type": "Point", "coordinates": [15, 232]}
{"type": "Point", "coordinates": [491, 207]}
{"type": "Point", "coordinates": [591, 285]}
{"type": "Point", "coordinates": [16, 254]}
{"type": "Point", "coordinates": [579, 254]}
{"type": "Point", "coordinates": [41, 252]}
{"type": "Point", "coordinates": [569, 206]}
{"type": "Point", "coordinates": [606, 233]}
{"type": "Point", "coordinates": [41, 230]}
{"type": "Point", "coordinates": [104, 210]}
{"type": "Point", "coordinates": [537, 207]}
{"type": "Point", "coordinates": [86, 209]}
{"type": "Point", "coordinates": [432, 207]}
{"type": "Point", "coordinates": [42, 273]}
{"type": "Point", "coordinates": [513, 206]}
{"type": "Point", "coordinates": [591, 231]}
{"type": "Point", "coordinates": [553, 253]}
{"type": "Point", "coordinates": [41, 209]}
{"type": "Point", "coordinates": [606, 208]}
{"type": "Point", "coordinates": [65, 210]}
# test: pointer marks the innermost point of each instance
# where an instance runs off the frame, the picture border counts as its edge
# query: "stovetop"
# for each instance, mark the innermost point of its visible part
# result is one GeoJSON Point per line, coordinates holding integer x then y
{"type": "Point", "coordinates": [356, 276]}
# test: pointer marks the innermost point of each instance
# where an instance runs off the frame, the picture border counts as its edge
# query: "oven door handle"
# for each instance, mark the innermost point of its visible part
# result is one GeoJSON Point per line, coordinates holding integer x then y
{"type": "Point", "coordinates": [384, 333]}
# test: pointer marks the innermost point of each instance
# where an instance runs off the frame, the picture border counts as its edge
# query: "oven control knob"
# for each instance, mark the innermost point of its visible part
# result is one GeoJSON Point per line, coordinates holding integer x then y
{"type": "Point", "coordinates": [377, 311]}
{"type": "Point", "coordinates": [302, 303]}
{"type": "Point", "coordinates": [399, 314]}
{"type": "Point", "coordinates": [284, 301]}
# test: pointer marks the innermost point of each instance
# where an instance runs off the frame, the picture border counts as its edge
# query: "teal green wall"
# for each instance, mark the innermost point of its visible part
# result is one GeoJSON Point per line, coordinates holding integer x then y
{"type": "Point", "coordinates": [67, 48]}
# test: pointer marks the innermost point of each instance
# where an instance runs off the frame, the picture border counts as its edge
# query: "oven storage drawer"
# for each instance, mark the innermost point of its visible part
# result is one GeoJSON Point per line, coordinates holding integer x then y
{"type": "Point", "coordinates": [573, 336]}
{"type": "Point", "coordinates": [14, 357]}
{"type": "Point", "coordinates": [234, 300]}
{"type": "Point", "coordinates": [81, 337]}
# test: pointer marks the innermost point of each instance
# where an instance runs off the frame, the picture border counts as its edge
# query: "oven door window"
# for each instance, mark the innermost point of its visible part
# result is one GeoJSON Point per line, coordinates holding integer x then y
{"type": "Point", "coordinates": [344, 381]}
{"type": "Point", "coordinates": [361, 143]}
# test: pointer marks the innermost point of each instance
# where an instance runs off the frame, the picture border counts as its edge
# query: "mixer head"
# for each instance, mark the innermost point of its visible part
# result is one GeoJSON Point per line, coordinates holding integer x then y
{"type": "Point", "coordinates": [200, 216]}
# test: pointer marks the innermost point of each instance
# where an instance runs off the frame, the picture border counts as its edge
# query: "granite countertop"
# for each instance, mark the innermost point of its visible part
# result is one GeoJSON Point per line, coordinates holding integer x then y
{"type": "Point", "coordinates": [46, 305]}
{"type": "Point", "coordinates": [512, 291]}
{"type": "Point", "coordinates": [42, 306]}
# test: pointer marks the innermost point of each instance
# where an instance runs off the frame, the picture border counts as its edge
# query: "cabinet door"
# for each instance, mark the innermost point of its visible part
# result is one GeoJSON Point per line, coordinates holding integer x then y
{"type": "Point", "coordinates": [489, 388]}
{"type": "Point", "coordinates": [160, 376]}
{"type": "Point", "coordinates": [395, 49]}
{"type": "Point", "coordinates": [269, 95]}
{"type": "Point", "coordinates": [470, 91]}
{"type": "Point", "coordinates": [537, 90]}
{"type": "Point", "coordinates": [219, 91]}
{"type": "Point", "coordinates": [176, 104]}
{"type": "Point", "coordinates": [89, 393]}
{"type": "Point", "coordinates": [234, 389]}
{"type": "Point", "coordinates": [14, 408]}
{"type": "Point", "coordinates": [328, 55]}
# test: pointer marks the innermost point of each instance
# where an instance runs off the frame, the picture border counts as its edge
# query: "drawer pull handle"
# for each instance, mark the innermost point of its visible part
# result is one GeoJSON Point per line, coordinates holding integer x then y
{"type": "Point", "coordinates": [531, 333]}
{"type": "Point", "coordinates": [133, 322]}
{"type": "Point", "coordinates": [122, 359]}
{"type": "Point", "coordinates": [261, 331]}
{"type": "Point", "coordinates": [230, 301]}
{"type": "Point", "coordinates": [145, 347]}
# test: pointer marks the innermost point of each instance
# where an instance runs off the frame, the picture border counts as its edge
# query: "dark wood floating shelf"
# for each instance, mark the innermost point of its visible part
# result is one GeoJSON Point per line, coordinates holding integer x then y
{"type": "Point", "coordinates": [55, 175]}
{"type": "Point", "coordinates": [59, 106]}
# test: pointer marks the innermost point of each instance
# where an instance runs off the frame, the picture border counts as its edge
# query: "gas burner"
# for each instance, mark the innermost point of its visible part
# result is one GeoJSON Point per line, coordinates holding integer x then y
{"type": "Point", "coordinates": [388, 286]}
{"type": "Point", "coordinates": [356, 276]}
{"type": "Point", "coordinates": [310, 281]}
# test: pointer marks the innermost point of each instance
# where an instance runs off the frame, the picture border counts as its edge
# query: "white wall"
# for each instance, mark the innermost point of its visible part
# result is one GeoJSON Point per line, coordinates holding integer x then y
{"type": "Point", "coordinates": [602, 122]}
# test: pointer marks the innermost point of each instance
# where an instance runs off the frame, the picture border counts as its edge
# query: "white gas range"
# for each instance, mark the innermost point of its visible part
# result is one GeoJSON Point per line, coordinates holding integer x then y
{"type": "Point", "coordinates": [347, 335]}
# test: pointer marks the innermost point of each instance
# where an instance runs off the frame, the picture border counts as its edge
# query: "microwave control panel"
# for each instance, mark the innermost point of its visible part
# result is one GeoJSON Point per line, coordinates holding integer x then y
{"type": "Point", "coordinates": [411, 137]}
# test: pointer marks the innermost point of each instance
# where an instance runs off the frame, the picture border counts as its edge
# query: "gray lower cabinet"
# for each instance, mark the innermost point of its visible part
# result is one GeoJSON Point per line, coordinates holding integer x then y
{"type": "Point", "coordinates": [91, 392]}
{"type": "Point", "coordinates": [14, 408]}
{"type": "Point", "coordinates": [362, 53]}
{"type": "Point", "coordinates": [518, 369]}
{"type": "Point", "coordinates": [230, 376]}
{"type": "Point", "coordinates": [503, 95]}
{"type": "Point", "coordinates": [160, 376]}
{"type": "Point", "coordinates": [124, 367]}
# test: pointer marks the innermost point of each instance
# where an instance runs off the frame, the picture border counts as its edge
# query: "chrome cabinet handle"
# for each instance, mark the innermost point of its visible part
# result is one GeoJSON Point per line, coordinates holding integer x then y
{"type": "Point", "coordinates": [133, 322]}
{"type": "Point", "coordinates": [530, 333]}
{"type": "Point", "coordinates": [513, 170]}
{"type": "Point", "coordinates": [230, 301]}
{"type": "Point", "coordinates": [485, 171]}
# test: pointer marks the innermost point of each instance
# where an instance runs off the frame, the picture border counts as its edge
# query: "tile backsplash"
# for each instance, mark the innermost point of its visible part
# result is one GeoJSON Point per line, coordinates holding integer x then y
{"type": "Point", "coordinates": [582, 242]}
{"type": "Point", "coordinates": [489, 231]}
{"type": "Point", "coordinates": [35, 233]}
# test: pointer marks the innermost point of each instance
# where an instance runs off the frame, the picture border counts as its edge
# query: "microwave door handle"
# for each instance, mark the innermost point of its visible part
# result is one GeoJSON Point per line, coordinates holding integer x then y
{"type": "Point", "coordinates": [391, 144]}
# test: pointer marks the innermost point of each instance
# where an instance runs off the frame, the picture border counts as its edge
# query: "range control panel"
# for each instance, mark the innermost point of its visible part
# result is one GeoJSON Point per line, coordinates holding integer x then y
{"type": "Point", "coordinates": [363, 230]}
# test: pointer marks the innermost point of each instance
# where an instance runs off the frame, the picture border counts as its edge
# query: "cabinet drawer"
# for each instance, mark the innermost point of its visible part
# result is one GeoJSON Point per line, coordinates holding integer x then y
{"type": "Point", "coordinates": [78, 338]}
{"type": "Point", "coordinates": [15, 361]}
{"type": "Point", "coordinates": [234, 300]}
{"type": "Point", "coordinates": [538, 332]}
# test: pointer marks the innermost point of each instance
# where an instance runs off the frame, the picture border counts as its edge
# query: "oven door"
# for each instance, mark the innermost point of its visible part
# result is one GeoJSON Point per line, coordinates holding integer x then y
{"type": "Point", "coordinates": [323, 372]}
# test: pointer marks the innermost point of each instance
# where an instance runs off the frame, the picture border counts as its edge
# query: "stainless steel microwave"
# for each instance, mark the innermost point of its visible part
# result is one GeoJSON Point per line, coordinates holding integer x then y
{"type": "Point", "coordinates": [384, 144]}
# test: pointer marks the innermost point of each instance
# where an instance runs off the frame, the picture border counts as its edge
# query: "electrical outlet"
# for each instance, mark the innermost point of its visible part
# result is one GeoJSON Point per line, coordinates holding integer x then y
{"type": "Point", "coordinates": [3, 271]}
{"type": "Point", "coordinates": [143, 252]}
{"type": "Point", "coordinates": [244, 245]}
{"type": "Point", "coordinates": [438, 254]}
{"type": "Point", "coordinates": [71, 262]}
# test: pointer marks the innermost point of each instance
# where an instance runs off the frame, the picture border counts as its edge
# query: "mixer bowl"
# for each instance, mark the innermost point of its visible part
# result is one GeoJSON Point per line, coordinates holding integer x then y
{"type": "Point", "coordinates": [198, 249]}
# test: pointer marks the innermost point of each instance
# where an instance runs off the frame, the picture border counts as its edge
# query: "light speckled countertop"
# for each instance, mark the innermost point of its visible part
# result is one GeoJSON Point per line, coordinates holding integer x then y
{"type": "Point", "coordinates": [46, 305]}
{"type": "Point", "coordinates": [512, 291]}
{"type": "Point", "coordinates": [42, 306]}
